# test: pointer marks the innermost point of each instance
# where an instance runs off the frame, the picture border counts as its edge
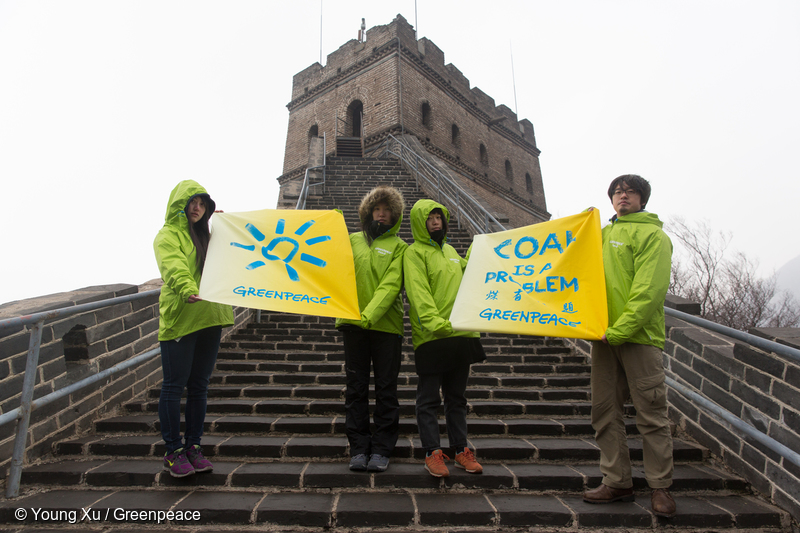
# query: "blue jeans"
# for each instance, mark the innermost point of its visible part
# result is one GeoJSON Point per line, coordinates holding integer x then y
{"type": "Point", "coordinates": [383, 351]}
{"type": "Point", "coordinates": [453, 384]}
{"type": "Point", "coordinates": [186, 364]}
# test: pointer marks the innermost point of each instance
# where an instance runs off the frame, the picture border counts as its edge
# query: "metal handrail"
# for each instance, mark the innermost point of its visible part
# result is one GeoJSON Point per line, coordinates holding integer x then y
{"type": "Point", "coordinates": [760, 342]}
{"type": "Point", "coordinates": [448, 192]}
{"type": "Point", "coordinates": [23, 413]}
{"type": "Point", "coordinates": [711, 407]}
{"type": "Point", "coordinates": [304, 190]}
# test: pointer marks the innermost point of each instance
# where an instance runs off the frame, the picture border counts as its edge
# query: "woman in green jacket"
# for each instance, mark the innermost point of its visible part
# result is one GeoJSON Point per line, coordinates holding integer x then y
{"type": "Point", "coordinates": [377, 338]}
{"type": "Point", "coordinates": [189, 328]}
{"type": "Point", "coordinates": [433, 271]}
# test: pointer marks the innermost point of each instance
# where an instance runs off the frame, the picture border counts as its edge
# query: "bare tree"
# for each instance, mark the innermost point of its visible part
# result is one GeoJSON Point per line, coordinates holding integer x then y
{"type": "Point", "coordinates": [728, 289]}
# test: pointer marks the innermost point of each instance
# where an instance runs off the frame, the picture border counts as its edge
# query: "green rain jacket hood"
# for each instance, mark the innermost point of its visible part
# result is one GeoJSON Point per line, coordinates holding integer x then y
{"type": "Point", "coordinates": [379, 267]}
{"type": "Point", "coordinates": [432, 277]}
{"type": "Point", "coordinates": [637, 258]}
{"type": "Point", "coordinates": [176, 258]}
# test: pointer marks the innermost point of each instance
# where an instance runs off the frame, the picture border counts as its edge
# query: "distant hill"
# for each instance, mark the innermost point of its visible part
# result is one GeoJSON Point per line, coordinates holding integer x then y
{"type": "Point", "coordinates": [788, 277]}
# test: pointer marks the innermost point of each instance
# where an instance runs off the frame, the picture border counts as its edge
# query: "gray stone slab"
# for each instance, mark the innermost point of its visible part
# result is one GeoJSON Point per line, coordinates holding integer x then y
{"type": "Point", "coordinates": [61, 473]}
{"type": "Point", "coordinates": [304, 424]}
{"type": "Point", "coordinates": [540, 477]}
{"type": "Point", "coordinates": [315, 447]}
{"type": "Point", "coordinates": [334, 475]}
{"type": "Point", "coordinates": [406, 476]}
{"type": "Point", "coordinates": [494, 476]}
{"type": "Point", "coordinates": [454, 509]}
{"type": "Point", "coordinates": [138, 446]}
{"type": "Point", "coordinates": [503, 449]}
{"type": "Point", "coordinates": [252, 447]}
{"type": "Point", "coordinates": [692, 512]}
{"type": "Point", "coordinates": [524, 426]}
{"type": "Point", "coordinates": [125, 473]}
{"type": "Point", "coordinates": [611, 515]}
{"type": "Point", "coordinates": [221, 507]}
{"type": "Point", "coordinates": [296, 509]}
{"type": "Point", "coordinates": [566, 450]}
{"type": "Point", "coordinates": [531, 510]}
{"type": "Point", "coordinates": [244, 424]}
{"type": "Point", "coordinates": [374, 509]}
{"type": "Point", "coordinates": [277, 474]}
{"type": "Point", "coordinates": [747, 511]}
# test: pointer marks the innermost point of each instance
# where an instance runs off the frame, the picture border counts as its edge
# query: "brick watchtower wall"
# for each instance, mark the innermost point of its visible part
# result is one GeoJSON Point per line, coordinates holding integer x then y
{"type": "Point", "coordinates": [403, 86]}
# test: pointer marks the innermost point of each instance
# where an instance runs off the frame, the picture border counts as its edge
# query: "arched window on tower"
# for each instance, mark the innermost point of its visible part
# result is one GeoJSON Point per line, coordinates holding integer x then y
{"type": "Point", "coordinates": [427, 119]}
{"type": "Point", "coordinates": [528, 182]}
{"type": "Point", "coordinates": [509, 172]}
{"type": "Point", "coordinates": [455, 135]}
{"type": "Point", "coordinates": [484, 155]}
{"type": "Point", "coordinates": [313, 131]}
{"type": "Point", "coordinates": [355, 117]}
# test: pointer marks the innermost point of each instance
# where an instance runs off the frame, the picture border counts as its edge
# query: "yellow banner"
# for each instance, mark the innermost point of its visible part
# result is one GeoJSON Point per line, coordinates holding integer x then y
{"type": "Point", "coordinates": [282, 260]}
{"type": "Point", "coordinates": [546, 279]}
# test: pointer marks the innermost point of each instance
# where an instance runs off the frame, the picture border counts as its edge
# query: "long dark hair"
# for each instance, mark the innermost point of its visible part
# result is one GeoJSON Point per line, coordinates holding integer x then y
{"type": "Point", "coordinates": [199, 230]}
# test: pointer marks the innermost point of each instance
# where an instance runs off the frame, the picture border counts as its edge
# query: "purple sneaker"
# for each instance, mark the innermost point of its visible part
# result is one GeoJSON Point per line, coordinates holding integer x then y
{"type": "Point", "coordinates": [199, 463]}
{"type": "Point", "coordinates": [177, 464]}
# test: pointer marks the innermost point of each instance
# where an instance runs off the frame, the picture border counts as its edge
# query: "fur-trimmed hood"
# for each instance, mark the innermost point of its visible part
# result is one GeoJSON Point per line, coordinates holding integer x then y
{"type": "Point", "coordinates": [392, 197]}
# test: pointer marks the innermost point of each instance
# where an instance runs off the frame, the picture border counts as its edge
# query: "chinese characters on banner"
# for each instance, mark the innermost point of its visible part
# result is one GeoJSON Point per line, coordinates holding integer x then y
{"type": "Point", "coordinates": [546, 279]}
{"type": "Point", "coordinates": [282, 260]}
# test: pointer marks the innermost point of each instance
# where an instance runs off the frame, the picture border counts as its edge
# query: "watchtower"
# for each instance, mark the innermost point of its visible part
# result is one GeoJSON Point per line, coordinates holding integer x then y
{"type": "Point", "coordinates": [392, 83]}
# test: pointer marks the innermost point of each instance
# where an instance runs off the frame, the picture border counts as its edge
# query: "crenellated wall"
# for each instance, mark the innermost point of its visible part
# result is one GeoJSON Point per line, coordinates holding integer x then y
{"type": "Point", "coordinates": [74, 348]}
{"type": "Point", "coordinates": [763, 389]}
{"type": "Point", "coordinates": [404, 87]}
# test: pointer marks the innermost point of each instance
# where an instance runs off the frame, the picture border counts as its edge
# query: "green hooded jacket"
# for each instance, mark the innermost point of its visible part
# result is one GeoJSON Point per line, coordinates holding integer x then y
{"type": "Point", "coordinates": [379, 267]}
{"type": "Point", "coordinates": [432, 277]}
{"type": "Point", "coordinates": [637, 258]}
{"type": "Point", "coordinates": [175, 254]}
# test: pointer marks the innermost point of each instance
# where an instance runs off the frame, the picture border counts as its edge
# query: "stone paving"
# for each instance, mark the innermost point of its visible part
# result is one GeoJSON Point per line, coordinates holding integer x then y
{"type": "Point", "coordinates": [275, 432]}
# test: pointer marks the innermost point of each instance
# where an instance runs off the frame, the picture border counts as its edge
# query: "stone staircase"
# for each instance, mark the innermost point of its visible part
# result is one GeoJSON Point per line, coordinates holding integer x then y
{"type": "Point", "coordinates": [275, 432]}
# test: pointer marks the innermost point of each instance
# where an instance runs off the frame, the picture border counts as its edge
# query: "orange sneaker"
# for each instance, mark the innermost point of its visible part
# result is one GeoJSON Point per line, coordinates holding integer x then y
{"type": "Point", "coordinates": [466, 460]}
{"type": "Point", "coordinates": [434, 463]}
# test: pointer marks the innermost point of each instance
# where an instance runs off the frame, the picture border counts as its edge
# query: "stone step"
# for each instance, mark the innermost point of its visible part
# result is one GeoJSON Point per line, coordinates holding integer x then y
{"type": "Point", "coordinates": [384, 510]}
{"type": "Point", "coordinates": [337, 392]}
{"type": "Point", "coordinates": [507, 476]}
{"type": "Point", "coordinates": [303, 369]}
{"type": "Point", "coordinates": [334, 425]}
{"type": "Point", "coordinates": [313, 407]}
{"type": "Point", "coordinates": [569, 450]}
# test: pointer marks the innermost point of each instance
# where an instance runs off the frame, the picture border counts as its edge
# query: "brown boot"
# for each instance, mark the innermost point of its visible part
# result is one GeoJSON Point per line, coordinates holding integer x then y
{"type": "Point", "coordinates": [662, 502]}
{"type": "Point", "coordinates": [606, 494]}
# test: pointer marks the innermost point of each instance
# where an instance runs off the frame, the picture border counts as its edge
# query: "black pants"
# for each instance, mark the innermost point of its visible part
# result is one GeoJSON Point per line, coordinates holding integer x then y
{"type": "Point", "coordinates": [383, 351]}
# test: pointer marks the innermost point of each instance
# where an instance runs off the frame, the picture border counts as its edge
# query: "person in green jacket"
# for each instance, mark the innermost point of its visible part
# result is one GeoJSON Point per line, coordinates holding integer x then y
{"type": "Point", "coordinates": [189, 328]}
{"type": "Point", "coordinates": [376, 338]}
{"type": "Point", "coordinates": [627, 361]}
{"type": "Point", "coordinates": [442, 357]}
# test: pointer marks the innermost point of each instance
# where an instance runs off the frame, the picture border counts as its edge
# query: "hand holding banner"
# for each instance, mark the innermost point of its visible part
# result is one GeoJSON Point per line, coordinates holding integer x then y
{"type": "Point", "coordinates": [546, 279]}
{"type": "Point", "coordinates": [282, 260]}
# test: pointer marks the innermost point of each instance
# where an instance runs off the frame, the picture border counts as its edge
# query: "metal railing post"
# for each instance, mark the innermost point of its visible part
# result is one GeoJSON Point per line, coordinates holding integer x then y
{"type": "Point", "coordinates": [28, 384]}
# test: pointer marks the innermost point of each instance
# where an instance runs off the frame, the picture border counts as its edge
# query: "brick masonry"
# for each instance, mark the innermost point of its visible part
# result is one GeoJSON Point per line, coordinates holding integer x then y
{"type": "Point", "coordinates": [96, 340]}
{"type": "Point", "coordinates": [405, 87]}
{"type": "Point", "coordinates": [761, 388]}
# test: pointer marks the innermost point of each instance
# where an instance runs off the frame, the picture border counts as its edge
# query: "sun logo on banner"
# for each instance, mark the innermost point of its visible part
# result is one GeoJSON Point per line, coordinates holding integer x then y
{"type": "Point", "coordinates": [267, 251]}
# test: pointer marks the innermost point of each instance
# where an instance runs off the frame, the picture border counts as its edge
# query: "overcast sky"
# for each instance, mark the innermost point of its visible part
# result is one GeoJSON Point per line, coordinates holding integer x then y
{"type": "Point", "coordinates": [105, 105]}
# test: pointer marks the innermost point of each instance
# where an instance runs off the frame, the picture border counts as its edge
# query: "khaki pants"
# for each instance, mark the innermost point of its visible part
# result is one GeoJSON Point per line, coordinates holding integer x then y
{"type": "Point", "coordinates": [634, 370]}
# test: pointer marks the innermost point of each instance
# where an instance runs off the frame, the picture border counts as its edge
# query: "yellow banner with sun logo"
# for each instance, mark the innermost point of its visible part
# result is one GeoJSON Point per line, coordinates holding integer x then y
{"type": "Point", "coordinates": [282, 260]}
{"type": "Point", "coordinates": [546, 279]}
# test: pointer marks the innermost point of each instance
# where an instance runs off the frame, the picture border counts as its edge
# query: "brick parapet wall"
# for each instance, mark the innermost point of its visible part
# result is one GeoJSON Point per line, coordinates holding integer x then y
{"type": "Point", "coordinates": [763, 389]}
{"type": "Point", "coordinates": [108, 336]}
